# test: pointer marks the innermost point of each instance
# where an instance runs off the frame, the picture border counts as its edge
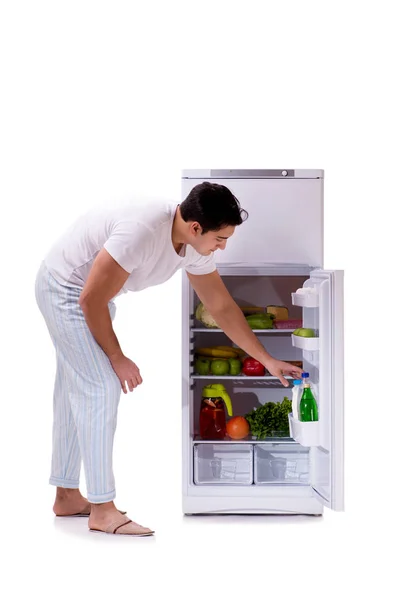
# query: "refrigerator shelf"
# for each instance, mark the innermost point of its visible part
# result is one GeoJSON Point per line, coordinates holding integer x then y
{"type": "Point", "coordinates": [245, 379]}
{"type": "Point", "coordinates": [270, 331]}
{"type": "Point", "coordinates": [247, 440]}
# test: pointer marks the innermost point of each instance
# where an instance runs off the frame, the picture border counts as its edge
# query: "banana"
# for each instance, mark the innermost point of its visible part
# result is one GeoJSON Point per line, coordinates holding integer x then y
{"type": "Point", "coordinates": [213, 357]}
{"type": "Point", "coordinates": [217, 352]}
{"type": "Point", "coordinates": [238, 351]}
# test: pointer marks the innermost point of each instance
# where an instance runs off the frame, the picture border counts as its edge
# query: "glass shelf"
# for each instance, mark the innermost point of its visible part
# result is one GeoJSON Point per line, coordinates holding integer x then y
{"type": "Point", "coordinates": [243, 380]}
{"type": "Point", "coordinates": [247, 440]}
{"type": "Point", "coordinates": [270, 331]}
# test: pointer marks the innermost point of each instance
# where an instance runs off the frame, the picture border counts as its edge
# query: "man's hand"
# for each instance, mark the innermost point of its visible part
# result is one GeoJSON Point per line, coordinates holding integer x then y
{"type": "Point", "coordinates": [127, 372]}
{"type": "Point", "coordinates": [279, 368]}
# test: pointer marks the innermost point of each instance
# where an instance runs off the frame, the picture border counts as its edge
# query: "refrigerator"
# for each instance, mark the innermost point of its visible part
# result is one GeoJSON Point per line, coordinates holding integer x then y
{"type": "Point", "coordinates": [275, 253]}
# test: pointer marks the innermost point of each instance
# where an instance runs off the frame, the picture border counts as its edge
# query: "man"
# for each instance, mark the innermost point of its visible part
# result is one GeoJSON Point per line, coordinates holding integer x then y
{"type": "Point", "coordinates": [105, 253]}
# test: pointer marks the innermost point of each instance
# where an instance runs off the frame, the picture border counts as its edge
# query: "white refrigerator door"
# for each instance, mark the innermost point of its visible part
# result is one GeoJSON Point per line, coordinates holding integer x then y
{"type": "Point", "coordinates": [285, 223]}
{"type": "Point", "coordinates": [327, 464]}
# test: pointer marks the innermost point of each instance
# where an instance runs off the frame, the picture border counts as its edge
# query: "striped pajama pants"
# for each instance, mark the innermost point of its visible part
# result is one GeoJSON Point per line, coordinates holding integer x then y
{"type": "Point", "coordinates": [86, 393]}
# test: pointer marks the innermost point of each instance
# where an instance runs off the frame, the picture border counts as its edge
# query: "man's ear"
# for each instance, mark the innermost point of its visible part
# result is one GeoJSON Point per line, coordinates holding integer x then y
{"type": "Point", "coordinates": [196, 227]}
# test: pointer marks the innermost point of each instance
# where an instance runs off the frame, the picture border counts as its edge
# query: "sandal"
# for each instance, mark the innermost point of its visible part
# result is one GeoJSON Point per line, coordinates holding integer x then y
{"type": "Point", "coordinates": [125, 527]}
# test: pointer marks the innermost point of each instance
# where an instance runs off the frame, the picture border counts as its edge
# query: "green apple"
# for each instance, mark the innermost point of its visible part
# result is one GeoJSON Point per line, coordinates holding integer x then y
{"type": "Point", "coordinates": [202, 366]}
{"type": "Point", "coordinates": [220, 366]}
{"type": "Point", "coordinates": [304, 332]}
{"type": "Point", "coordinates": [235, 366]}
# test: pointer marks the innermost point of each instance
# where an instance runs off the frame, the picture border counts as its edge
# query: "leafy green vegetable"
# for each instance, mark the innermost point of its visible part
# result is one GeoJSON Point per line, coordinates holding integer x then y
{"type": "Point", "coordinates": [261, 321]}
{"type": "Point", "coordinates": [269, 418]}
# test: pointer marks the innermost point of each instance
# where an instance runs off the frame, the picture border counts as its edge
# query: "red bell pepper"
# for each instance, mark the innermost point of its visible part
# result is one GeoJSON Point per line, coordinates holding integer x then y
{"type": "Point", "coordinates": [253, 367]}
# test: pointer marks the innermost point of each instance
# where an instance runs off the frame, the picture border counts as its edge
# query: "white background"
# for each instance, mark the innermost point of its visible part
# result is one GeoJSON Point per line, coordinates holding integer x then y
{"type": "Point", "coordinates": [105, 99]}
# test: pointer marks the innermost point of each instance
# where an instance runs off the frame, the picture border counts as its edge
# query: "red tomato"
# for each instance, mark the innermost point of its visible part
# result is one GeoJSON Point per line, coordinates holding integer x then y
{"type": "Point", "coordinates": [237, 428]}
{"type": "Point", "coordinates": [253, 367]}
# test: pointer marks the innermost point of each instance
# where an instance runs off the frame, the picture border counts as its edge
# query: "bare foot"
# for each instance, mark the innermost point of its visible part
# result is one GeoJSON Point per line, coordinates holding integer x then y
{"type": "Point", "coordinates": [105, 517]}
{"type": "Point", "coordinates": [70, 502]}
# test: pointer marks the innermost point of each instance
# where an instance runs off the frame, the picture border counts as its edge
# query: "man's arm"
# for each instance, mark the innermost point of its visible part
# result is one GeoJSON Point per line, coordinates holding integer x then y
{"type": "Point", "coordinates": [213, 293]}
{"type": "Point", "coordinates": [105, 280]}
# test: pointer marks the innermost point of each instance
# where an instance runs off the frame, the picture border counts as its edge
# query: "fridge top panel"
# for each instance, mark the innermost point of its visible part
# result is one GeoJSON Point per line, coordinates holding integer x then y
{"type": "Point", "coordinates": [262, 269]}
{"type": "Point", "coordinates": [253, 173]}
{"type": "Point", "coordinates": [285, 222]}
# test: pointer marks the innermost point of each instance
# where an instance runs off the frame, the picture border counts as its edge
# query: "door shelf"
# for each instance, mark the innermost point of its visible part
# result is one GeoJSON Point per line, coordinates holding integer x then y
{"type": "Point", "coordinates": [307, 300]}
{"type": "Point", "coordinates": [305, 433]}
{"type": "Point", "coordinates": [305, 343]}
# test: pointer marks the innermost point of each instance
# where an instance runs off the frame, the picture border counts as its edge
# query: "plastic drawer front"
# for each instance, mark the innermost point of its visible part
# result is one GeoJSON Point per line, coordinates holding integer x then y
{"type": "Point", "coordinates": [220, 464]}
{"type": "Point", "coordinates": [280, 465]}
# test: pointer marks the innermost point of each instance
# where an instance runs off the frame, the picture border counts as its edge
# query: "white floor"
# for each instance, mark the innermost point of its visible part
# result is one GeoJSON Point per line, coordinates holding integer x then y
{"type": "Point", "coordinates": [206, 557]}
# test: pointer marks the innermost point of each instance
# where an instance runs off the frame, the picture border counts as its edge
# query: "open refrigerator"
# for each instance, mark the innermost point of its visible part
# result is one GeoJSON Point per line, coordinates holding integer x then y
{"type": "Point", "coordinates": [277, 251]}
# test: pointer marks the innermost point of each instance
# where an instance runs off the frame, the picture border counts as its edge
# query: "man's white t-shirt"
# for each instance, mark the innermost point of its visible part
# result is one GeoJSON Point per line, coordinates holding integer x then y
{"type": "Point", "coordinates": [137, 237]}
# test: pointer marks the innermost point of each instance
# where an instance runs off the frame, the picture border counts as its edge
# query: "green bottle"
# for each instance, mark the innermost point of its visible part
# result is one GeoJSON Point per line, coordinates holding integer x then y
{"type": "Point", "coordinates": [308, 408]}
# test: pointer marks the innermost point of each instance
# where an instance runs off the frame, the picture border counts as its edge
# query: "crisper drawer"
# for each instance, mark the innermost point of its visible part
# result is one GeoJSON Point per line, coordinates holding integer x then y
{"type": "Point", "coordinates": [284, 464]}
{"type": "Point", "coordinates": [220, 464]}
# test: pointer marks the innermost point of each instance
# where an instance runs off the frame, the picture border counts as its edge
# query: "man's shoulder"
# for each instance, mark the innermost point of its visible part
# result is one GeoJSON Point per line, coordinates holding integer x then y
{"type": "Point", "coordinates": [150, 212]}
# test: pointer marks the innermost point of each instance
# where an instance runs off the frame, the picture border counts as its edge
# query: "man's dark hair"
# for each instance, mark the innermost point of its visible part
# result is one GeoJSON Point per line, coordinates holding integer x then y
{"type": "Point", "coordinates": [213, 206]}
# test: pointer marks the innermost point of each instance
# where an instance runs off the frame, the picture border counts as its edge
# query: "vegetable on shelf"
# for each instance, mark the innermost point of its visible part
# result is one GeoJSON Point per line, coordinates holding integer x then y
{"type": "Point", "coordinates": [253, 367]}
{"type": "Point", "coordinates": [218, 360]}
{"type": "Point", "coordinates": [261, 321]}
{"type": "Point", "coordinates": [205, 317]}
{"type": "Point", "coordinates": [270, 419]}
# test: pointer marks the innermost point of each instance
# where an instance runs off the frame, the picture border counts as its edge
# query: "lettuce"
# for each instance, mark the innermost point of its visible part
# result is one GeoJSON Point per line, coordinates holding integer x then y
{"type": "Point", "coordinates": [270, 419]}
